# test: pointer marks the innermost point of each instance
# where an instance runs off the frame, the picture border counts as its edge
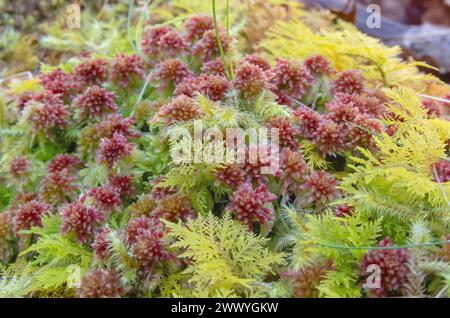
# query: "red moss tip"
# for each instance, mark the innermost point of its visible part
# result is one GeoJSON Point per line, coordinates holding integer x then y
{"type": "Point", "coordinates": [329, 137]}
{"type": "Point", "coordinates": [63, 162]}
{"type": "Point", "coordinates": [349, 82]}
{"type": "Point", "coordinates": [250, 81]}
{"type": "Point", "coordinates": [96, 102]}
{"type": "Point", "coordinates": [171, 72]}
{"type": "Point", "coordinates": [287, 131]}
{"type": "Point", "coordinates": [257, 60]}
{"type": "Point", "coordinates": [290, 79]}
{"type": "Point", "coordinates": [343, 210]}
{"type": "Point", "coordinates": [232, 175]}
{"type": "Point", "coordinates": [319, 65]}
{"type": "Point", "coordinates": [59, 82]}
{"type": "Point", "coordinates": [116, 123]}
{"type": "Point", "coordinates": [80, 219]}
{"type": "Point", "coordinates": [126, 69]}
{"type": "Point", "coordinates": [111, 150]}
{"type": "Point", "coordinates": [215, 67]}
{"type": "Point", "coordinates": [150, 42]}
{"type": "Point", "coordinates": [442, 168]}
{"type": "Point", "coordinates": [145, 236]}
{"type": "Point", "coordinates": [294, 170]}
{"type": "Point", "coordinates": [181, 108]}
{"type": "Point", "coordinates": [100, 283]}
{"type": "Point", "coordinates": [19, 167]}
{"type": "Point", "coordinates": [197, 25]}
{"type": "Point", "coordinates": [174, 207]}
{"type": "Point", "coordinates": [249, 205]}
{"type": "Point", "coordinates": [308, 121]}
{"type": "Point", "coordinates": [207, 46]}
{"type": "Point", "coordinates": [305, 282]}
{"type": "Point", "coordinates": [321, 187]}
{"type": "Point", "coordinates": [92, 72]}
{"type": "Point", "coordinates": [101, 243]}
{"type": "Point", "coordinates": [393, 269]}
{"type": "Point", "coordinates": [58, 186]}
{"type": "Point", "coordinates": [29, 214]}
{"type": "Point", "coordinates": [48, 112]}
{"type": "Point", "coordinates": [105, 198]}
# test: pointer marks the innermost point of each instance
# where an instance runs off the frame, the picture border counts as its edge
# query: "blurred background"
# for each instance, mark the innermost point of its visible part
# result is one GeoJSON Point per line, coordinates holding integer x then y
{"type": "Point", "coordinates": [420, 27]}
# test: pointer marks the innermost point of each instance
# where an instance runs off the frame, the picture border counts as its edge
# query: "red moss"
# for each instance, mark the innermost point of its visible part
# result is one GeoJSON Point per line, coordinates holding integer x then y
{"type": "Point", "coordinates": [394, 269]}
{"type": "Point", "coordinates": [294, 169]}
{"type": "Point", "coordinates": [232, 175]}
{"type": "Point", "coordinates": [58, 186]}
{"type": "Point", "coordinates": [170, 73]}
{"type": "Point", "coordinates": [59, 82]}
{"type": "Point", "coordinates": [172, 44]}
{"type": "Point", "coordinates": [329, 137]}
{"type": "Point", "coordinates": [287, 132]}
{"type": "Point", "coordinates": [29, 214]}
{"type": "Point", "coordinates": [116, 123]}
{"type": "Point", "coordinates": [100, 283]}
{"type": "Point", "coordinates": [257, 60]}
{"type": "Point", "coordinates": [127, 69]}
{"type": "Point", "coordinates": [319, 65]}
{"type": "Point", "coordinates": [96, 102]}
{"type": "Point", "coordinates": [442, 168]}
{"type": "Point", "coordinates": [181, 108]}
{"type": "Point", "coordinates": [150, 42]}
{"type": "Point", "coordinates": [321, 187]}
{"type": "Point", "coordinates": [343, 210]}
{"type": "Point", "coordinates": [349, 82]}
{"type": "Point", "coordinates": [19, 167]}
{"type": "Point", "coordinates": [174, 207]}
{"type": "Point", "coordinates": [308, 121]}
{"type": "Point", "coordinates": [111, 150]}
{"type": "Point", "coordinates": [306, 280]}
{"type": "Point", "coordinates": [197, 25]}
{"type": "Point", "coordinates": [250, 81]}
{"type": "Point", "coordinates": [48, 112]}
{"type": "Point", "coordinates": [207, 46]}
{"type": "Point", "coordinates": [249, 205]}
{"type": "Point", "coordinates": [92, 72]}
{"type": "Point", "coordinates": [215, 67]}
{"type": "Point", "coordinates": [105, 198]}
{"type": "Point", "coordinates": [101, 243]}
{"type": "Point", "coordinates": [213, 86]}
{"type": "Point", "coordinates": [80, 219]}
{"type": "Point", "coordinates": [63, 162]}
{"type": "Point", "coordinates": [290, 79]}
{"type": "Point", "coordinates": [123, 184]}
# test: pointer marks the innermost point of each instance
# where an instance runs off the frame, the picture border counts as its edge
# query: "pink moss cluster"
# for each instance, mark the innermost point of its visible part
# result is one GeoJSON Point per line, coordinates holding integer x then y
{"type": "Point", "coordinates": [29, 214]}
{"type": "Point", "coordinates": [19, 167]}
{"type": "Point", "coordinates": [48, 112]}
{"type": "Point", "coordinates": [61, 83]}
{"type": "Point", "coordinates": [126, 69]}
{"type": "Point", "coordinates": [145, 237]}
{"type": "Point", "coordinates": [291, 80]}
{"type": "Point", "coordinates": [394, 269]}
{"type": "Point", "coordinates": [321, 187]}
{"type": "Point", "coordinates": [58, 186]}
{"type": "Point", "coordinates": [92, 72]}
{"type": "Point", "coordinates": [181, 108]}
{"type": "Point", "coordinates": [80, 219]}
{"type": "Point", "coordinates": [96, 102]}
{"type": "Point", "coordinates": [113, 149]}
{"type": "Point", "coordinates": [100, 283]}
{"type": "Point", "coordinates": [250, 205]}
{"type": "Point", "coordinates": [250, 80]}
